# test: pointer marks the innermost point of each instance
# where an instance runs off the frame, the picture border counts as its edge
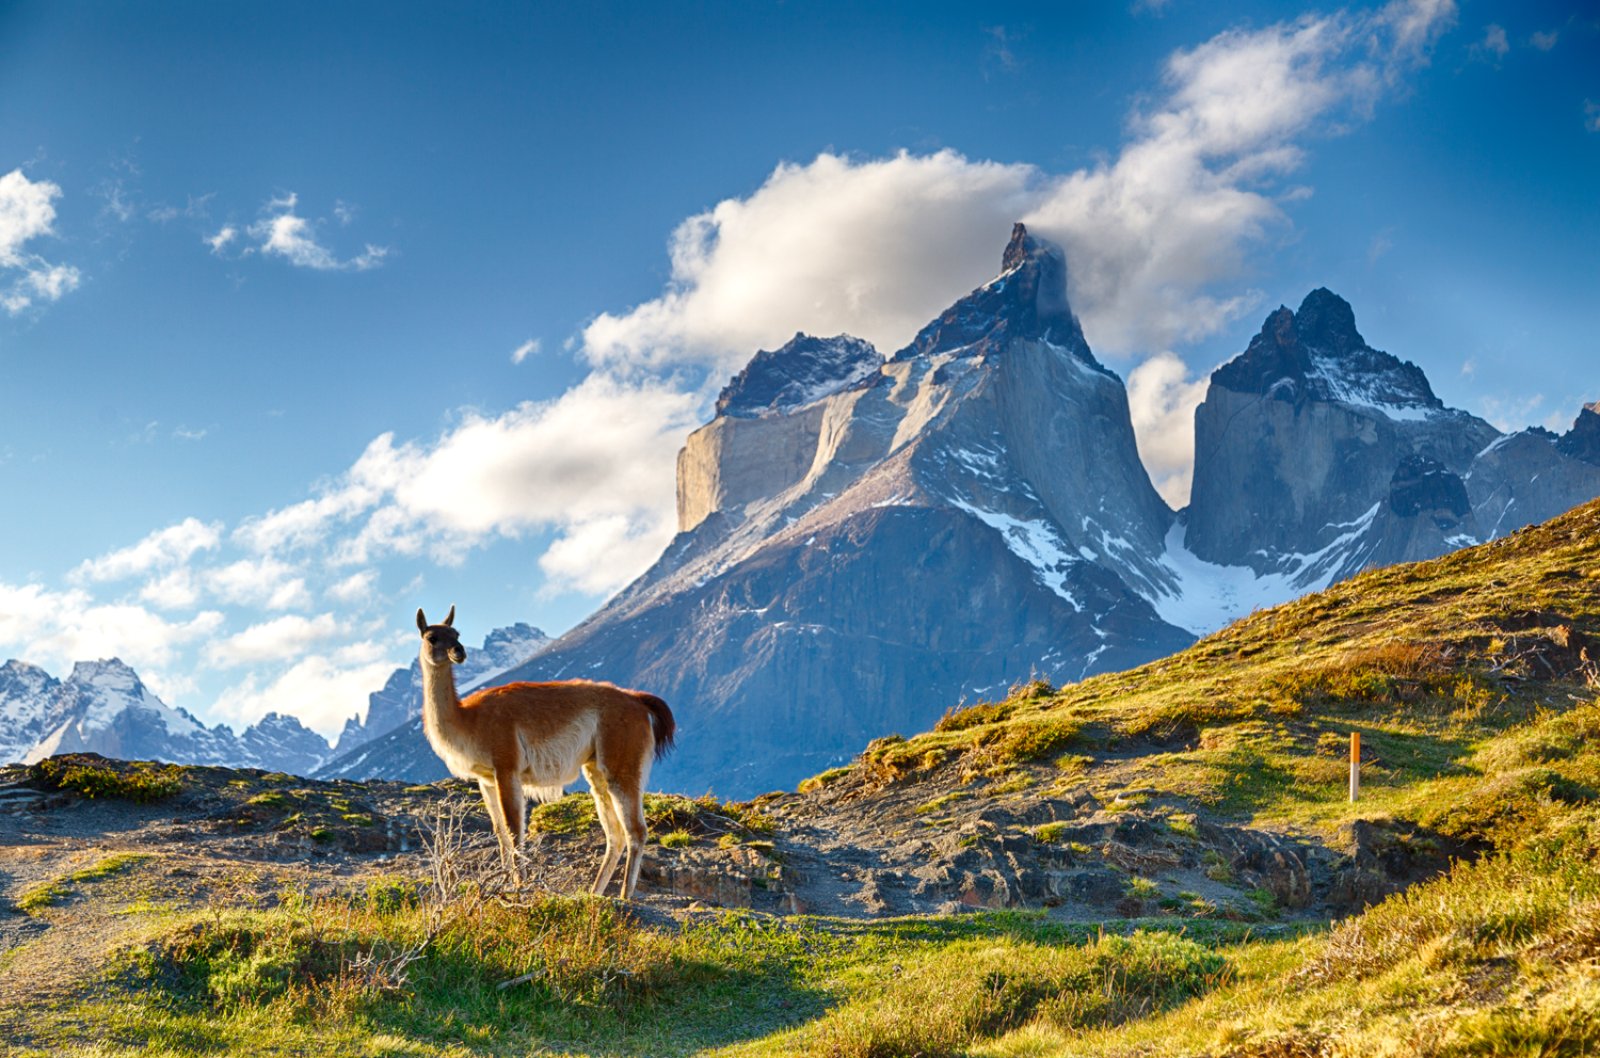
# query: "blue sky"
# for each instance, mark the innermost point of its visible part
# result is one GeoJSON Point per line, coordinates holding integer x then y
{"type": "Point", "coordinates": [266, 270]}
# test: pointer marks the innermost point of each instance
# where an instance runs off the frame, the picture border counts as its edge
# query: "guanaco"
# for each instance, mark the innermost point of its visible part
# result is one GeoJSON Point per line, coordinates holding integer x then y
{"type": "Point", "coordinates": [525, 740]}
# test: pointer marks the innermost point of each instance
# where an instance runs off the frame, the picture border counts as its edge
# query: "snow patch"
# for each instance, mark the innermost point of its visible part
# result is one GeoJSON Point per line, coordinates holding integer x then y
{"type": "Point", "coordinates": [1036, 542]}
{"type": "Point", "coordinates": [1207, 596]}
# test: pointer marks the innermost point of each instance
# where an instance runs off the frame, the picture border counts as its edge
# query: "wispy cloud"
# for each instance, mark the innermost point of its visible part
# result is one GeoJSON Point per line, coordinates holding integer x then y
{"type": "Point", "coordinates": [224, 236]}
{"type": "Point", "coordinates": [999, 53]}
{"type": "Point", "coordinates": [1544, 40]}
{"type": "Point", "coordinates": [162, 549]}
{"type": "Point", "coordinates": [27, 213]}
{"type": "Point", "coordinates": [1494, 46]}
{"type": "Point", "coordinates": [525, 350]}
{"type": "Point", "coordinates": [1591, 115]}
{"type": "Point", "coordinates": [284, 233]}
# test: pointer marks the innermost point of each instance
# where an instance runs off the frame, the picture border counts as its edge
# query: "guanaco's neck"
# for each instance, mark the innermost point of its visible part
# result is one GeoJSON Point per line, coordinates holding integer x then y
{"type": "Point", "coordinates": [440, 703]}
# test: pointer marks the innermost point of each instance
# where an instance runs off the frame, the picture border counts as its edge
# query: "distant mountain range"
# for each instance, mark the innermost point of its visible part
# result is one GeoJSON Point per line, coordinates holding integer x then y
{"type": "Point", "coordinates": [863, 542]}
{"type": "Point", "coordinates": [103, 707]}
{"type": "Point", "coordinates": [866, 541]}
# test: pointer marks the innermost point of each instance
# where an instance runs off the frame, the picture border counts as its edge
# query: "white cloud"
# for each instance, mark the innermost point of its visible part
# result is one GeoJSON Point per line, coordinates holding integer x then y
{"type": "Point", "coordinates": [601, 554]}
{"type": "Point", "coordinates": [28, 212]}
{"type": "Point", "coordinates": [319, 690]}
{"type": "Point", "coordinates": [1494, 42]}
{"type": "Point", "coordinates": [1544, 41]}
{"type": "Point", "coordinates": [525, 350]}
{"type": "Point", "coordinates": [225, 235]}
{"type": "Point", "coordinates": [354, 588]}
{"type": "Point", "coordinates": [284, 233]}
{"type": "Point", "coordinates": [1591, 115]}
{"type": "Point", "coordinates": [1162, 398]}
{"type": "Point", "coordinates": [876, 247]}
{"type": "Point", "coordinates": [175, 589]}
{"type": "Point", "coordinates": [163, 548]}
{"type": "Point", "coordinates": [872, 248]}
{"type": "Point", "coordinates": [57, 628]}
{"type": "Point", "coordinates": [266, 582]}
{"type": "Point", "coordinates": [601, 455]}
{"type": "Point", "coordinates": [595, 464]}
{"type": "Point", "coordinates": [280, 639]}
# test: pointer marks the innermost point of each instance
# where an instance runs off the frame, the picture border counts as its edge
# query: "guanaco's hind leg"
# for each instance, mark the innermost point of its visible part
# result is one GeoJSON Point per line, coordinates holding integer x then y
{"type": "Point", "coordinates": [615, 835]}
{"type": "Point", "coordinates": [627, 801]}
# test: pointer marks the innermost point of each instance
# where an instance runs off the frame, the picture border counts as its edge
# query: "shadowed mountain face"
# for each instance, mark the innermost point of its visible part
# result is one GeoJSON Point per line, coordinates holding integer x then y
{"type": "Point", "coordinates": [864, 543]}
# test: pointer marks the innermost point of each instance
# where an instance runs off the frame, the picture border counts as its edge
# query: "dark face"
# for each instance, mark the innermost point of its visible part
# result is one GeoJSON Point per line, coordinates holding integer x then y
{"type": "Point", "coordinates": [441, 644]}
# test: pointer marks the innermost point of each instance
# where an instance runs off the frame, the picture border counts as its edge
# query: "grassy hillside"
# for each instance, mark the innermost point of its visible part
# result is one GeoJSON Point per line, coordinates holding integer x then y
{"type": "Point", "coordinates": [1472, 680]}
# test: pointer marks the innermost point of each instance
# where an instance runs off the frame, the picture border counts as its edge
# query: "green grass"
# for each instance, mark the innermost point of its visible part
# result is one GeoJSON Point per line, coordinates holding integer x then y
{"type": "Point", "coordinates": [57, 891]}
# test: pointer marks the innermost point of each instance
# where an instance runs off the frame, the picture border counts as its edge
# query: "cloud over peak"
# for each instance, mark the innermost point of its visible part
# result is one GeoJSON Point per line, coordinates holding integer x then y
{"type": "Point", "coordinates": [1158, 237]}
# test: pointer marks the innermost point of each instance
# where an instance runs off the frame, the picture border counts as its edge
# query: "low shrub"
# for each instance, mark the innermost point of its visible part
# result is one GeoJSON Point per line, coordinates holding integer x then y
{"type": "Point", "coordinates": [95, 776]}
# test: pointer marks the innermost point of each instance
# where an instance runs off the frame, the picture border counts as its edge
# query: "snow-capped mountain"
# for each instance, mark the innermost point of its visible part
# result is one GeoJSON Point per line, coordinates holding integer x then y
{"type": "Point", "coordinates": [968, 511]}
{"type": "Point", "coordinates": [103, 707]}
{"type": "Point", "coordinates": [28, 707]}
{"type": "Point", "coordinates": [865, 541]}
{"type": "Point", "coordinates": [400, 699]}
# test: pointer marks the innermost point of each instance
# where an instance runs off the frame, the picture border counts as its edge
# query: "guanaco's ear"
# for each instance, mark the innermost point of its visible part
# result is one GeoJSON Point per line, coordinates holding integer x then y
{"type": "Point", "coordinates": [450, 618]}
{"type": "Point", "coordinates": [422, 622]}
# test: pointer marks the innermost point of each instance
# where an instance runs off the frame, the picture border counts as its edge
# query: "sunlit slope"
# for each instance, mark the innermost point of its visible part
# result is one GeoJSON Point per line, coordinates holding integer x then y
{"type": "Point", "coordinates": [1429, 662]}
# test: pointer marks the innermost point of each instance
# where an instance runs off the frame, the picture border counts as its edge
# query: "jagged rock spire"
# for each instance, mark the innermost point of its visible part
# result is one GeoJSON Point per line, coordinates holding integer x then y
{"type": "Point", "coordinates": [1028, 300]}
{"type": "Point", "coordinates": [1583, 440]}
{"type": "Point", "coordinates": [1317, 354]}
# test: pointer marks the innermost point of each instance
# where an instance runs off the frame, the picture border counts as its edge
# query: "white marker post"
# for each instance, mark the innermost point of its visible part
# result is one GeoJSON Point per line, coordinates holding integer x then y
{"type": "Point", "coordinates": [1355, 765]}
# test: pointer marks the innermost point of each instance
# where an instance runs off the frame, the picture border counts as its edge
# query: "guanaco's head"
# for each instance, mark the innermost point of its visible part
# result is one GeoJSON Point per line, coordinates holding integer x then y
{"type": "Point", "coordinates": [441, 644]}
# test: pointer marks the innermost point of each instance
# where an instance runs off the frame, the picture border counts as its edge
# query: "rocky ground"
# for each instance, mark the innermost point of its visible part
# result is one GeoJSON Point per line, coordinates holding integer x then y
{"type": "Point", "coordinates": [80, 874]}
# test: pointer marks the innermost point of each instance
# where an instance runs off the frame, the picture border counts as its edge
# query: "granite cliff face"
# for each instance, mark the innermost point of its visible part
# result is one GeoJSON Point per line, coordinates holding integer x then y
{"type": "Point", "coordinates": [1317, 456]}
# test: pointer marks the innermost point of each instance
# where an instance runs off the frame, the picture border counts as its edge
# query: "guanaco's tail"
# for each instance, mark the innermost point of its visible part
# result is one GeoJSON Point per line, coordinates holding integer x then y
{"type": "Point", "coordinates": [666, 727]}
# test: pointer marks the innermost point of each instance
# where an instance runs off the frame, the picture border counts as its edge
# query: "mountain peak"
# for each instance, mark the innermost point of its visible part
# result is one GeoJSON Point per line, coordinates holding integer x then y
{"type": "Point", "coordinates": [1327, 321]}
{"type": "Point", "coordinates": [111, 672]}
{"type": "Point", "coordinates": [1583, 440]}
{"type": "Point", "coordinates": [1021, 247]}
{"type": "Point", "coordinates": [802, 370]}
{"type": "Point", "coordinates": [1027, 300]}
{"type": "Point", "coordinates": [1318, 354]}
